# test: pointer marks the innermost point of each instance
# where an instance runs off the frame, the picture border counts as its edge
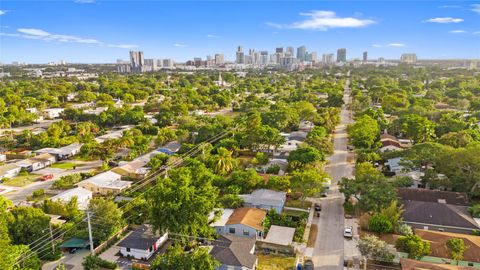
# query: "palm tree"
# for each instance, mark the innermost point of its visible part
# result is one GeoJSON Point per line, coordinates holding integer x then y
{"type": "Point", "coordinates": [224, 162]}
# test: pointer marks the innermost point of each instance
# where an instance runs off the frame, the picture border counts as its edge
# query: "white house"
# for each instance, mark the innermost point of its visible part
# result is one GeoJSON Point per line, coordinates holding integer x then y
{"type": "Point", "coordinates": [30, 165]}
{"type": "Point", "coordinates": [3, 157]}
{"type": "Point", "coordinates": [219, 225]}
{"type": "Point", "coordinates": [265, 199]}
{"type": "Point", "coordinates": [9, 170]}
{"type": "Point", "coordinates": [53, 113]}
{"type": "Point", "coordinates": [105, 183]}
{"type": "Point", "coordinates": [142, 243]}
{"type": "Point", "coordinates": [62, 153]}
{"type": "Point", "coordinates": [83, 197]}
{"type": "Point", "coordinates": [246, 222]}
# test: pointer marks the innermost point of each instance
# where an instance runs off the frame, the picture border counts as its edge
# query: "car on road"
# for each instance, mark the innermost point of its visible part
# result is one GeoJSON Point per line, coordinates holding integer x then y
{"type": "Point", "coordinates": [318, 207]}
{"type": "Point", "coordinates": [348, 232]}
{"type": "Point", "coordinates": [308, 265]}
{"type": "Point", "coordinates": [46, 177]}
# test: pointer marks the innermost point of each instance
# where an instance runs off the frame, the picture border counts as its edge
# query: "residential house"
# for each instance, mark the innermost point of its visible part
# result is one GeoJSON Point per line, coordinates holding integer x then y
{"type": "Point", "coordinates": [9, 170]}
{"type": "Point", "coordinates": [279, 240]}
{"type": "Point", "coordinates": [246, 222]}
{"type": "Point", "coordinates": [3, 157]}
{"type": "Point", "coordinates": [219, 224]}
{"type": "Point", "coordinates": [134, 169]}
{"type": "Point", "coordinates": [410, 264]}
{"type": "Point", "coordinates": [445, 214]}
{"type": "Point", "coordinates": [428, 195]}
{"type": "Point", "coordinates": [83, 197]}
{"type": "Point", "coordinates": [265, 199]}
{"type": "Point", "coordinates": [235, 253]}
{"type": "Point", "coordinates": [30, 165]}
{"type": "Point", "coordinates": [392, 143]}
{"type": "Point", "coordinates": [142, 243]}
{"type": "Point", "coordinates": [394, 165]}
{"type": "Point", "coordinates": [306, 126]}
{"type": "Point", "coordinates": [116, 134]}
{"type": "Point", "coordinates": [281, 163]}
{"type": "Point", "coordinates": [52, 113]}
{"type": "Point", "coordinates": [170, 148]}
{"type": "Point", "coordinates": [62, 153]}
{"type": "Point", "coordinates": [105, 183]}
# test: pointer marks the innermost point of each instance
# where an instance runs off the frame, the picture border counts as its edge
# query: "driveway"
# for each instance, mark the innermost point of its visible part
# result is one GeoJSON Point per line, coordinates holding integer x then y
{"type": "Point", "coordinates": [71, 261]}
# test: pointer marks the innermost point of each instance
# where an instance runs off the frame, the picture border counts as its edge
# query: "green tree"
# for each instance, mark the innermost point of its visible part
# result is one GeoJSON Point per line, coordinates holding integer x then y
{"type": "Point", "coordinates": [27, 224]}
{"type": "Point", "coordinates": [305, 155]}
{"type": "Point", "coordinates": [308, 181]}
{"type": "Point", "coordinates": [107, 219]}
{"type": "Point", "coordinates": [181, 203]}
{"type": "Point", "coordinates": [224, 162]}
{"type": "Point", "coordinates": [414, 246]}
{"type": "Point", "coordinates": [177, 258]}
{"type": "Point", "coordinates": [456, 248]}
{"type": "Point", "coordinates": [364, 132]}
{"type": "Point", "coordinates": [380, 223]}
{"type": "Point", "coordinates": [374, 248]}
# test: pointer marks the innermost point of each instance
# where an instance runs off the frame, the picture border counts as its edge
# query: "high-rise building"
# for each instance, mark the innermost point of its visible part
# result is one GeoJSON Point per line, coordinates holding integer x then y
{"type": "Point", "coordinates": [150, 64]}
{"type": "Point", "coordinates": [342, 55]}
{"type": "Point", "coordinates": [167, 63]}
{"type": "Point", "coordinates": [136, 61]}
{"type": "Point", "coordinates": [327, 59]}
{"type": "Point", "coordinates": [312, 57]}
{"type": "Point", "coordinates": [219, 59]}
{"type": "Point", "coordinates": [263, 58]}
{"type": "Point", "coordinates": [408, 58]}
{"type": "Point", "coordinates": [291, 51]}
{"type": "Point", "coordinates": [365, 56]}
{"type": "Point", "coordinates": [302, 53]}
{"type": "Point", "coordinates": [240, 56]}
{"type": "Point", "coordinates": [279, 50]}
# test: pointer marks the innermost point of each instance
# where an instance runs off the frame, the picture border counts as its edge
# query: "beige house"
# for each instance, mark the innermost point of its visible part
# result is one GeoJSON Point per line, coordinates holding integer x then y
{"type": "Point", "coordinates": [105, 183]}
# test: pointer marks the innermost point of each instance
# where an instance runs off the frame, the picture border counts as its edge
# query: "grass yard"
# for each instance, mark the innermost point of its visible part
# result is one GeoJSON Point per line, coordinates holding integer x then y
{"type": "Point", "coordinates": [65, 165]}
{"type": "Point", "coordinates": [21, 180]}
{"type": "Point", "coordinates": [275, 262]}
{"type": "Point", "coordinates": [298, 204]}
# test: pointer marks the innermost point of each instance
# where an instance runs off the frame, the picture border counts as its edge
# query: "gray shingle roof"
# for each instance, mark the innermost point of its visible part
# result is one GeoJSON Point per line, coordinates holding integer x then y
{"type": "Point", "coordinates": [235, 251]}
{"type": "Point", "coordinates": [142, 238]}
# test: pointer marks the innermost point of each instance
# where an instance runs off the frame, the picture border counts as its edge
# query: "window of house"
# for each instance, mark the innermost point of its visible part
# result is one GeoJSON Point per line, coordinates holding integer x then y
{"type": "Point", "coordinates": [245, 232]}
{"type": "Point", "coordinates": [231, 230]}
{"type": "Point", "coordinates": [128, 249]}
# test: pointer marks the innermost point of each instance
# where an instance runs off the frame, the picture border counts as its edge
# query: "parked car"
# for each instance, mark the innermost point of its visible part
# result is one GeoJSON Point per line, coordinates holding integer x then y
{"type": "Point", "coordinates": [348, 232]}
{"type": "Point", "coordinates": [46, 177]}
{"type": "Point", "coordinates": [318, 207]}
{"type": "Point", "coordinates": [308, 265]}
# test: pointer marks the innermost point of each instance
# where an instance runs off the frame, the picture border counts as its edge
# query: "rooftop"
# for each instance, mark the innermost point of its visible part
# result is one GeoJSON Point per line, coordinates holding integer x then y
{"type": "Point", "coordinates": [428, 195]}
{"type": "Point", "coordinates": [251, 217]}
{"type": "Point", "coordinates": [78, 192]}
{"type": "Point", "coordinates": [280, 235]}
{"type": "Point", "coordinates": [234, 251]}
{"type": "Point", "coordinates": [265, 197]}
{"type": "Point", "coordinates": [108, 179]}
{"type": "Point", "coordinates": [226, 213]}
{"type": "Point", "coordinates": [141, 238]}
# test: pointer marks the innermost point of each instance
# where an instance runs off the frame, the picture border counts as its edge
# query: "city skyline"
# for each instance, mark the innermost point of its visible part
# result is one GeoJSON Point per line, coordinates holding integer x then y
{"type": "Point", "coordinates": [98, 31]}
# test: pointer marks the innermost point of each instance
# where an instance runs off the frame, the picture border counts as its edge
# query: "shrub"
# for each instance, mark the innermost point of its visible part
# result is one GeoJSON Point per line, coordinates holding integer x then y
{"type": "Point", "coordinates": [67, 181]}
{"type": "Point", "coordinates": [37, 193]}
{"type": "Point", "coordinates": [414, 246]}
{"type": "Point", "coordinates": [274, 169]}
{"type": "Point", "coordinates": [380, 224]}
{"type": "Point", "coordinates": [93, 262]}
{"type": "Point", "coordinates": [404, 229]}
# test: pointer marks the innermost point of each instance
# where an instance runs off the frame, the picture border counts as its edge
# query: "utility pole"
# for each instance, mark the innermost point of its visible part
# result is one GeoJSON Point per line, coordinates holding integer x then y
{"type": "Point", "coordinates": [90, 233]}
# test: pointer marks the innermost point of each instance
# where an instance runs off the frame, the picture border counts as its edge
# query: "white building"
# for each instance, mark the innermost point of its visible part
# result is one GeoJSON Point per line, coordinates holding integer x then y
{"type": "Point", "coordinates": [105, 183]}
{"type": "Point", "coordinates": [9, 170]}
{"type": "Point", "coordinates": [83, 197]}
{"type": "Point", "coordinates": [142, 243]}
{"type": "Point", "coordinates": [265, 199]}
{"type": "Point", "coordinates": [219, 225]}
{"type": "Point", "coordinates": [246, 222]}
{"type": "Point", "coordinates": [52, 113]}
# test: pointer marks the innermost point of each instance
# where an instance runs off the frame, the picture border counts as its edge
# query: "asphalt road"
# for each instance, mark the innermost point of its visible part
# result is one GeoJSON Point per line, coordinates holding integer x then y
{"type": "Point", "coordinates": [329, 246]}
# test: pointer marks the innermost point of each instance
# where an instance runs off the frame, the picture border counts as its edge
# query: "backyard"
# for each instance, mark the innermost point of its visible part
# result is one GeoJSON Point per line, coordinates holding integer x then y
{"type": "Point", "coordinates": [275, 262]}
{"type": "Point", "coordinates": [65, 165]}
{"type": "Point", "coordinates": [21, 180]}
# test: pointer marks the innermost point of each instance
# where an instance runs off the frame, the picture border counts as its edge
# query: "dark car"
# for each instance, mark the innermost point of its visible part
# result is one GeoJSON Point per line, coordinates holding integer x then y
{"type": "Point", "coordinates": [308, 265]}
{"type": "Point", "coordinates": [318, 207]}
{"type": "Point", "coordinates": [72, 250]}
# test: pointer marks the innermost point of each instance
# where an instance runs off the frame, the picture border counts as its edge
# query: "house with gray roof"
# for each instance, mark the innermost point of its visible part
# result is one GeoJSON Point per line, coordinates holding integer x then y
{"type": "Point", "coordinates": [142, 243]}
{"type": "Point", "coordinates": [234, 253]}
{"type": "Point", "coordinates": [265, 199]}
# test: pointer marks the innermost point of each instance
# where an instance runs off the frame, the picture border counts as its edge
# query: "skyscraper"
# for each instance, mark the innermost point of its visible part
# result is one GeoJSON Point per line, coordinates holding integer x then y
{"type": "Point", "coordinates": [365, 56]}
{"type": "Point", "coordinates": [408, 58]}
{"type": "Point", "coordinates": [240, 59]}
{"type": "Point", "coordinates": [279, 50]}
{"type": "Point", "coordinates": [342, 55]}
{"type": "Point", "coordinates": [301, 53]}
{"type": "Point", "coordinates": [136, 61]}
{"type": "Point", "coordinates": [219, 59]}
{"type": "Point", "coordinates": [327, 59]}
{"type": "Point", "coordinates": [291, 51]}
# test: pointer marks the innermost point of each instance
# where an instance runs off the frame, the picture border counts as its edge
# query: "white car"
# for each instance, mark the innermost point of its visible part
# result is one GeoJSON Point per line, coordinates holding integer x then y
{"type": "Point", "coordinates": [348, 232]}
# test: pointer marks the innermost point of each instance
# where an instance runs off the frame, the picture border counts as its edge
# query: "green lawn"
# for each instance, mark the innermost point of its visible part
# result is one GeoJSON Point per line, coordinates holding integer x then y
{"type": "Point", "coordinates": [65, 165]}
{"type": "Point", "coordinates": [298, 204]}
{"type": "Point", "coordinates": [21, 181]}
{"type": "Point", "coordinates": [275, 262]}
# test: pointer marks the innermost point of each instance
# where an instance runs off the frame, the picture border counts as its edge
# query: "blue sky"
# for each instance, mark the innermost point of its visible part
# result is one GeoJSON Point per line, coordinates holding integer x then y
{"type": "Point", "coordinates": [89, 31]}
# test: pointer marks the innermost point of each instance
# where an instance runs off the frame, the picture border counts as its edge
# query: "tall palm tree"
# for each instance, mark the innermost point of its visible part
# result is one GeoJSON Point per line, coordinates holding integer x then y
{"type": "Point", "coordinates": [224, 162]}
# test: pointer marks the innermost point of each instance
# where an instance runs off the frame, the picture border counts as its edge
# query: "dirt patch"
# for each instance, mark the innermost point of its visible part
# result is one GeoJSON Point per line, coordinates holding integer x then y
{"type": "Point", "coordinates": [312, 236]}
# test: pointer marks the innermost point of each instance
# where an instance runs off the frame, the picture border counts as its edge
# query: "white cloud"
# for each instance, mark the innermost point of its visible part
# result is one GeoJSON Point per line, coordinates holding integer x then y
{"type": "Point", "coordinates": [212, 36]}
{"type": "Point", "coordinates": [476, 8]}
{"type": "Point", "coordinates": [2, 12]}
{"type": "Point", "coordinates": [376, 45]}
{"type": "Point", "coordinates": [449, 6]}
{"type": "Point", "coordinates": [445, 20]}
{"type": "Point", "coordinates": [34, 33]}
{"type": "Point", "coordinates": [180, 45]}
{"type": "Point", "coordinates": [477, 33]}
{"type": "Point", "coordinates": [323, 20]}
{"type": "Point", "coordinates": [396, 45]}
{"type": "Point", "coordinates": [457, 32]}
